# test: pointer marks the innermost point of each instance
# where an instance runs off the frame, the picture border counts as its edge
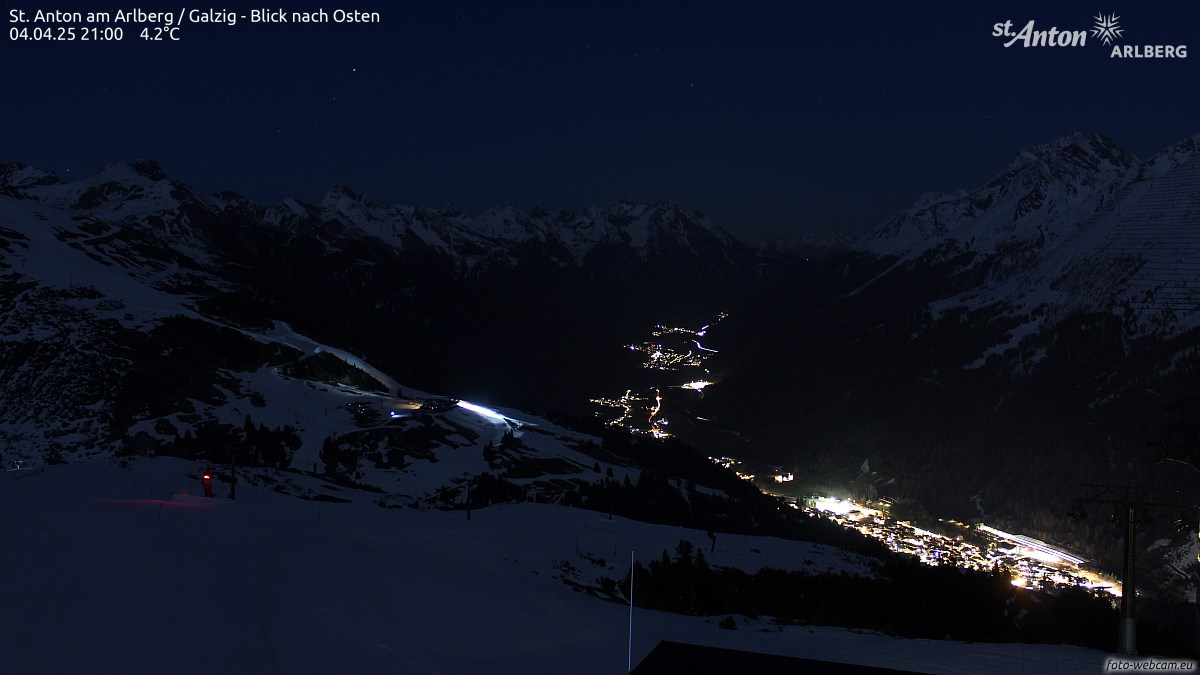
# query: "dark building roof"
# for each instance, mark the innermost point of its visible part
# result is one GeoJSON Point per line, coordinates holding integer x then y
{"type": "Point", "coordinates": [678, 658]}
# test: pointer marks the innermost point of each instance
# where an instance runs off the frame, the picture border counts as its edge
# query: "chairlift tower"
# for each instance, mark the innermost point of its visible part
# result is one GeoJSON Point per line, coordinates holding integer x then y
{"type": "Point", "coordinates": [1127, 500]}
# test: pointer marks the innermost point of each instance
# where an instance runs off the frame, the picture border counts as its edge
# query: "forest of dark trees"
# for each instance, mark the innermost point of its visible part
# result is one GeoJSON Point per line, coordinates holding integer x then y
{"type": "Point", "coordinates": [215, 442]}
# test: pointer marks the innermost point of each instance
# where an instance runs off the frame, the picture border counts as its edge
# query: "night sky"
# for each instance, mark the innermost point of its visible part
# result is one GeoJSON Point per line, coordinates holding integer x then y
{"type": "Point", "coordinates": [769, 117]}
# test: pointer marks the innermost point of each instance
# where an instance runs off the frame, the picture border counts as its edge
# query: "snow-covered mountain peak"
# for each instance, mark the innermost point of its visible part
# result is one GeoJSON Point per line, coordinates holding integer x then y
{"type": "Point", "coordinates": [120, 189]}
{"type": "Point", "coordinates": [647, 229]}
{"type": "Point", "coordinates": [342, 199]}
{"type": "Point", "coordinates": [1071, 154]}
{"type": "Point", "coordinates": [511, 224]}
{"type": "Point", "coordinates": [1073, 225]}
{"type": "Point", "coordinates": [139, 195]}
{"type": "Point", "coordinates": [648, 224]}
{"type": "Point", "coordinates": [1044, 193]}
{"type": "Point", "coordinates": [19, 175]}
{"type": "Point", "coordinates": [1179, 153]}
{"type": "Point", "coordinates": [134, 169]}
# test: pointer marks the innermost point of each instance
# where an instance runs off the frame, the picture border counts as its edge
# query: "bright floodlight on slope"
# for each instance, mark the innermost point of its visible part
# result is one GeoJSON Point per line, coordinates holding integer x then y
{"type": "Point", "coordinates": [486, 412]}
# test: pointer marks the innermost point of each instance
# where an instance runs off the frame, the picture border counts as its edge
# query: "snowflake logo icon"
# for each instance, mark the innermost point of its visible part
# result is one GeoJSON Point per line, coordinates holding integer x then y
{"type": "Point", "coordinates": [1107, 28]}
